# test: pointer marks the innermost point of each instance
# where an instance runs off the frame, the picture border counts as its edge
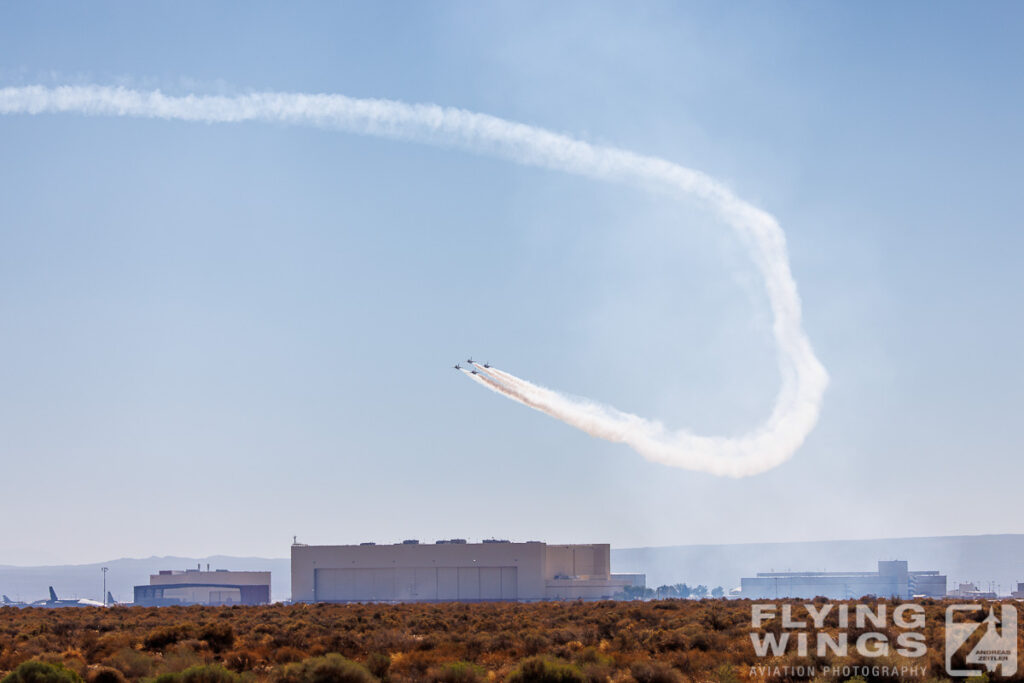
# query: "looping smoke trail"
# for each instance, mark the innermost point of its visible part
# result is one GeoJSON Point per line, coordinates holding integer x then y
{"type": "Point", "coordinates": [803, 377]}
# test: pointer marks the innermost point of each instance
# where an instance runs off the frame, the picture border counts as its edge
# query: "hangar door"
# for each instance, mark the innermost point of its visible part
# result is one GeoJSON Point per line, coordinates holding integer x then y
{"type": "Point", "coordinates": [414, 583]}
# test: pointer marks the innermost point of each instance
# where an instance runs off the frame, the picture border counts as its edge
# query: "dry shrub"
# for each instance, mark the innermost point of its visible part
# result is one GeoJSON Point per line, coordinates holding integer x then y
{"type": "Point", "coordinates": [10, 659]}
{"type": "Point", "coordinates": [458, 672]}
{"type": "Point", "coordinates": [535, 643]}
{"type": "Point", "coordinates": [132, 663]}
{"type": "Point", "coordinates": [332, 668]}
{"type": "Point", "coordinates": [70, 660]}
{"type": "Point", "coordinates": [42, 672]}
{"type": "Point", "coordinates": [598, 673]}
{"type": "Point", "coordinates": [181, 657]}
{"type": "Point", "coordinates": [726, 673]}
{"type": "Point", "coordinates": [694, 662]}
{"type": "Point", "coordinates": [287, 655]}
{"type": "Point", "coordinates": [561, 636]}
{"type": "Point", "coordinates": [546, 670]}
{"type": "Point", "coordinates": [241, 660]}
{"type": "Point", "coordinates": [379, 664]}
{"type": "Point", "coordinates": [417, 662]}
{"type": "Point", "coordinates": [654, 672]}
{"type": "Point", "coordinates": [105, 674]}
{"type": "Point", "coordinates": [389, 640]}
{"type": "Point", "coordinates": [218, 636]}
{"type": "Point", "coordinates": [596, 666]}
{"type": "Point", "coordinates": [204, 673]}
{"type": "Point", "coordinates": [106, 645]}
{"type": "Point", "coordinates": [162, 636]}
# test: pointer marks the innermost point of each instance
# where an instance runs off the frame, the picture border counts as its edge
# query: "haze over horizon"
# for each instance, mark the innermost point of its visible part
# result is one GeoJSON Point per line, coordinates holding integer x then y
{"type": "Point", "coordinates": [984, 560]}
{"type": "Point", "coordinates": [218, 337]}
{"type": "Point", "coordinates": [620, 548]}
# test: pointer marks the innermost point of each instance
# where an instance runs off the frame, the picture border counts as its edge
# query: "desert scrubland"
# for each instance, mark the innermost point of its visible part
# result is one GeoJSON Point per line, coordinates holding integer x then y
{"type": "Point", "coordinates": [666, 641]}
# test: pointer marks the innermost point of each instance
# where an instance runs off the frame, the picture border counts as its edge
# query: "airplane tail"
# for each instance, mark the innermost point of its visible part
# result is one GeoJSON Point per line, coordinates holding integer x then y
{"type": "Point", "coordinates": [53, 594]}
{"type": "Point", "coordinates": [7, 600]}
{"type": "Point", "coordinates": [110, 598]}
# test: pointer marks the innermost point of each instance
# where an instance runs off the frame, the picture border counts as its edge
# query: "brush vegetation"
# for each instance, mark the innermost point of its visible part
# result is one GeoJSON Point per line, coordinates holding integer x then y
{"type": "Point", "coordinates": [664, 641]}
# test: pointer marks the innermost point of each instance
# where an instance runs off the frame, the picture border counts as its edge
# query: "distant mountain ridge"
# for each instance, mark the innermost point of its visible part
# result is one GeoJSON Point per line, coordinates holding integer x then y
{"type": "Point", "coordinates": [86, 580]}
{"type": "Point", "coordinates": [996, 558]}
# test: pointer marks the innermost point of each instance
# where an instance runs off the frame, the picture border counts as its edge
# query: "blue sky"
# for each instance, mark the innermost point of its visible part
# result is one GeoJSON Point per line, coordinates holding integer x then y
{"type": "Point", "coordinates": [218, 336]}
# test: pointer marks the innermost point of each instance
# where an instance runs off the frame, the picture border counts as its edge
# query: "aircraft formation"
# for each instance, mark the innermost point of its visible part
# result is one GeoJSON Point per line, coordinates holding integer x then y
{"type": "Point", "coordinates": [472, 362]}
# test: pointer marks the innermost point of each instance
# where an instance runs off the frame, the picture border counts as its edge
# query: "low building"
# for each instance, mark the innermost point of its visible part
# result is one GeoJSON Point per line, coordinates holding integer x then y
{"type": "Point", "coordinates": [970, 591]}
{"type": "Point", "coordinates": [893, 578]}
{"type": "Point", "coordinates": [197, 587]}
{"type": "Point", "coordinates": [455, 571]}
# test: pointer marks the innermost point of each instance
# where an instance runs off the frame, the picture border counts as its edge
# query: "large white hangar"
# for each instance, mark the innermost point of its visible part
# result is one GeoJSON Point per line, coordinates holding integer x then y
{"type": "Point", "coordinates": [455, 570]}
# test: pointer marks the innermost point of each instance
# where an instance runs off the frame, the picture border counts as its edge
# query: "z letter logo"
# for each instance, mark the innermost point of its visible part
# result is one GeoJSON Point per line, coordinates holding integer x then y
{"type": "Point", "coordinates": [997, 647]}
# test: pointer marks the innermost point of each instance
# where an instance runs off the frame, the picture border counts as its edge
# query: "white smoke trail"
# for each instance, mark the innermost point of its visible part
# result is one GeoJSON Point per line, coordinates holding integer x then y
{"type": "Point", "coordinates": [504, 377]}
{"type": "Point", "coordinates": [498, 388]}
{"type": "Point", "coordinates": [803, 377]}
{"type": "Point", "coordinates": [530, 394]}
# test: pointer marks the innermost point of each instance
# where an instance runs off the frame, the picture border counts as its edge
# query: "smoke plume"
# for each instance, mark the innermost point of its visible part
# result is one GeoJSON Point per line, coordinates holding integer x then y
{"type": "Point", "coordinates": [803, 377]}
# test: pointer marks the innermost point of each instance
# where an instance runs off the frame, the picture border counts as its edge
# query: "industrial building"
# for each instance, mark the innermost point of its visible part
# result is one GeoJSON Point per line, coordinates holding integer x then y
{"type": "Point", "coordinates": [970, 591]}
{"type": "Point", "coordinates": [892, 579]}
{"type": "Point", "coordinates": [197, 587]}
{"type": "Point", "coordinates": [455, 570]}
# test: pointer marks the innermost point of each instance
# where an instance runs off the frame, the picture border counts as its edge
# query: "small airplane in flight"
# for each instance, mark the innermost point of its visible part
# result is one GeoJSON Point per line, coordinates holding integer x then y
{"type": "Point", "coordinates": [457, 366]}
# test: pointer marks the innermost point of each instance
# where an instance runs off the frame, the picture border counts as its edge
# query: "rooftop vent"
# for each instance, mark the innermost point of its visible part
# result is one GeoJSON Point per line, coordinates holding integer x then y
{"type": "Point", "coordinates": [368, 543]}
{"type": "Point", "coordinates": [496, 540]}
{"type": "Point", "coordinates": [410, 541]}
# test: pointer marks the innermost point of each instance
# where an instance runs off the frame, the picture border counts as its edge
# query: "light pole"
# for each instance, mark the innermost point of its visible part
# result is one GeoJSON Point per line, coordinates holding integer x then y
{"type": "Point", "coordinates": [104, 570]}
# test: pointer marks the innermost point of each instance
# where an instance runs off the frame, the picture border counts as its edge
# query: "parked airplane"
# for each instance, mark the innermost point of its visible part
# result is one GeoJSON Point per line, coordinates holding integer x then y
{"type": "Point", "coordinates": [54, 601]}
{"type": "Point", "coordinates": [12, 603]}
